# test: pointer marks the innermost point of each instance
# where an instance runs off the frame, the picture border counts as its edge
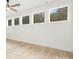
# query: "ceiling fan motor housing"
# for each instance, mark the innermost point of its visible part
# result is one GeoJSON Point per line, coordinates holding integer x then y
{"type": "Point", "coordinates": [7, 0]}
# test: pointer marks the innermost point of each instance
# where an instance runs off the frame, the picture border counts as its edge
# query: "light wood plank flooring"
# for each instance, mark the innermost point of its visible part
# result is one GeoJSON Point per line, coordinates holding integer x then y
{"type": "Point", "coordinates": [20, 50]}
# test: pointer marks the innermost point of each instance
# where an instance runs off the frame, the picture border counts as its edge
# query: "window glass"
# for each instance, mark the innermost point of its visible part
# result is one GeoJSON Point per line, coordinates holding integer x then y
{"type": "Point", "coordinates": [25, 20]}
{"type": "Point", "coordinates": [58, 14]}
{"type": "Point", "coordinates": [39, 18]}
{"type": "Point", "coordinates": [16, 21]}
{"type": "Point", "coordinates": [9, 22]}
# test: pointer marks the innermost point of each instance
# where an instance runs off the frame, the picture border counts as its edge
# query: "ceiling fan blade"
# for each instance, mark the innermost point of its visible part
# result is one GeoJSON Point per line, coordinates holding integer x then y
{"type": "Point", "coordinates": [15, 5]}
{"type": "Point", "coordinates": [13, 9]}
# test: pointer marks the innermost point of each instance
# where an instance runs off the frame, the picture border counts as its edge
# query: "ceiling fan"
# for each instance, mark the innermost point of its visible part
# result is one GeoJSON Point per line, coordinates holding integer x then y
{"type": "Point", "coordinates": [8, 6]}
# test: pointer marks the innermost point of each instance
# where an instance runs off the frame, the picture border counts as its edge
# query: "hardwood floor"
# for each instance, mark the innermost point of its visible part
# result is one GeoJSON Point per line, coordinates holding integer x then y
{"type": "Point", "coordinates": [20, 50]}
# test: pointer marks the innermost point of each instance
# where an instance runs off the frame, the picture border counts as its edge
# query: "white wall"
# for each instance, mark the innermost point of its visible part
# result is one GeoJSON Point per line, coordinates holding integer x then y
{"type": "Point", "coordinates": [55, 34]}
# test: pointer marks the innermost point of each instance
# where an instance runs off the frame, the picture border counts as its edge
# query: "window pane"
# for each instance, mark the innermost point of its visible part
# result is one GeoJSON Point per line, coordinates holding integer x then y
{"type": "Point", "coordinates": [9, 22]}
{"type": "Point", "coordinates": [25, 20]}
{"type": "Point", "coordinates": [16, 21]}
{"type": "Point", "coordinates": [39, 18]}
{"type": "Point", "coordinates": [58, 14]}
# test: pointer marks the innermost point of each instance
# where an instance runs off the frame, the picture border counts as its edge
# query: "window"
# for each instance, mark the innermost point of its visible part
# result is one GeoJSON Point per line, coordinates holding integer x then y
{"type": "Point", "coordinates": [25, 20]}
{"type": "Point", "coordinates": [9, 22]}
{"type": "Point", "coordinates": [39, 18]}
{"type": "Point", "coordinates": [58, 14]}
{"type": "Point", "coordinates": [16, 21]}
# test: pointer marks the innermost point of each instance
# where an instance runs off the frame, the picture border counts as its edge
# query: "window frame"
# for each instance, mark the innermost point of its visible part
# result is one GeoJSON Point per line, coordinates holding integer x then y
{"type": "Point", "coordinates": [22, 20]}
{"type": "Point", "coordinates": [59, 8]}
{"type": "Point", "coordinates": [42, 11]}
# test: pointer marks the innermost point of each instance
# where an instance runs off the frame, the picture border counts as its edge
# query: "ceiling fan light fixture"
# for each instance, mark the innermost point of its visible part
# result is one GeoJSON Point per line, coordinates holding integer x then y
{"type": "Point", "coordinates": [8, 8]}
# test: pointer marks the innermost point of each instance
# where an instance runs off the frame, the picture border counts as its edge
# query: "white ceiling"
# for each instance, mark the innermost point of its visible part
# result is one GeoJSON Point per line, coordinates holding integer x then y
{"type": "Point", "coordinates": [25, 4]}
